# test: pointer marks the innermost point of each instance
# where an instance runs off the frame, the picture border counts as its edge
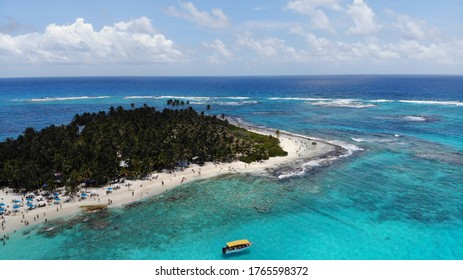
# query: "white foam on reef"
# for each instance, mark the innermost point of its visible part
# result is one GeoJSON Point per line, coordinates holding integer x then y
{"type": "Point", "coordinates": [330, 102]}
{"type": "Point", "coordinates": [323, 161]}
{"type": "Point", "coordinates": [299, 98]}
{"type": "Point", "coordinates": [381, 100]}
{"type": "Point", "coordinates": [343, 103]}
{"type": "Point", "coordinates": [196, 98]}
{"type": "Point", "coordinates": [433, 102]}
{"type": "Point", "coordinates": [235, 97]}
{"type": "Point", "coordinates": [359, 103]}
{"type": "Point", "coordinates": [415, 118]}
{"type": "Point", "coordinates": [51, 99]}
{"type": "Point", "coordinates": [232, 103]}
{"type": "Point", "coordinates": [373, 140]}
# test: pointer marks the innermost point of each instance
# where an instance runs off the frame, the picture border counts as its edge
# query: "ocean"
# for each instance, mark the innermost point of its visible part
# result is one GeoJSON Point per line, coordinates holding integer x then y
{"type": "Point", "coordinates": [398, 196]}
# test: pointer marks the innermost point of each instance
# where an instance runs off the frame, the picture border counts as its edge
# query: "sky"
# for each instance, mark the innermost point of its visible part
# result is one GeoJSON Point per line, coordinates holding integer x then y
{"type": "Point", "coordinates": [224, 37]}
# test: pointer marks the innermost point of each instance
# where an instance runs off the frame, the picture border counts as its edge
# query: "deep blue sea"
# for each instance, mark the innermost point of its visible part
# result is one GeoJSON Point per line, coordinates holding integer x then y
{"type": "Point", "coordinates": [398, 196]}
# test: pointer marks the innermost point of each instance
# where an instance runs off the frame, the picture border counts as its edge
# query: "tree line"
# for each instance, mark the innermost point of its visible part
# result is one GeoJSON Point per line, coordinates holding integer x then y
{"type": "Point", "coordinates": [103, 146]}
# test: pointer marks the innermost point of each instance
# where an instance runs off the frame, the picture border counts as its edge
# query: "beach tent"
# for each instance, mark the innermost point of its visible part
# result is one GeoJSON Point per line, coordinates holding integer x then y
{"type": "Point", "coordinates": [84, 195]}
{"type": "Point", "coordinates": [29, 199]}
{"type": "Point", "coordinates": [42, 204]}
{"type": "Point", "coordinates": [39, 198]}
{"type": "Point", "coordinates": [16, 208]}
{"type": "Point", "coordinates": [30, 206]}
{"type": "Point", "coordinates": [30, 195]}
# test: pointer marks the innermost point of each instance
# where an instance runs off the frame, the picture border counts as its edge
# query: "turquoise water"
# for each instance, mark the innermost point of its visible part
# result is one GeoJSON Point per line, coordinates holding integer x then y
{"type": "Point", "coordinates": [398, 196]}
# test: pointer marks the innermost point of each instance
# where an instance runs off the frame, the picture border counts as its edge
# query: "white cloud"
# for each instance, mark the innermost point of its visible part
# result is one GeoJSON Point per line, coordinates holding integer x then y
{"type": "Point", "coordinates": [363, 18]}
{"type": "Point", "coordinates": [270, 47]}
{"type": "Point", "coordinates": [131, 42]}
{"type": "Point", "coordinates": [314, 9]}
{"type": "Point", "coordinates": [221, 52]}
{"type": "Point", "coordinates": [215, 19]}
{"type": "Point", "coordinates": [412, 28]}
{"type": "Point", "coordinates": [372, 51]}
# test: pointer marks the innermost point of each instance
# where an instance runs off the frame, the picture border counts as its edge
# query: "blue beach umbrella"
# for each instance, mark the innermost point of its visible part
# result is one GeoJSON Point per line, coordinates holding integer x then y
{"type": "Point", "coordinates": [2, 204]}
{"type": "Point", "coordinates": [29, 199]}
{"type": "Point", "coordinates": [15, 200]}
{"type": "Point", "coordinates": [56, 194]}
{"type": "Point", "coordinates": [57, 198]}
{"type": "Point", "coordinates": [84, 195]}
{"type": "Point", "coordinates": [16, 206]}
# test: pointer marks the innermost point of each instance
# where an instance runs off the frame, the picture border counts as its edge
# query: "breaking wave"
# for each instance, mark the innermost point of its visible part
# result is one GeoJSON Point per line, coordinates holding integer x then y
{"type": "Point", "coordinates": [415, 118]}
{"type": "Point", "coordinates": [334, 102]}
{"type": "Point", "coordinates": [51, 99]}
{"type": "Point", "coordinates": [343, 103]}
{"type": "Point", "coordinates": [237, 103]}
{"type": "Point", "coordinates": [433, 102]}
{"type": "Point", "coordinates": [194, 98]}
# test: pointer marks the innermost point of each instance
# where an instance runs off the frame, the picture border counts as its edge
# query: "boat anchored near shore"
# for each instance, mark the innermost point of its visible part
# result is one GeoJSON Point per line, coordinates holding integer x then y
{"type": "Point", "coordinates": [236, 246]}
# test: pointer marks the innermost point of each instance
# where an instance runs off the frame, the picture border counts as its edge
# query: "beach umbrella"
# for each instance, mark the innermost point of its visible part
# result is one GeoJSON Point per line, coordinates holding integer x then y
{"type": "Point", "coordinates": [56, 194]}
{"type": "Point", "coordinates": [84, 195]}
{"type": "Point", "coordinates": [30, 205]}
{"type": "Point", "coordinates": [2, 204]}
{"type": "Point", "coordinates": [16, 200]}
{"type": "Point", "coordinates": [29, 199]}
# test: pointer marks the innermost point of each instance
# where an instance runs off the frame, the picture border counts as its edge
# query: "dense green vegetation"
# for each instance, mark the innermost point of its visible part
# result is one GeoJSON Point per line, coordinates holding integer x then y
{"type": "Point", "coordinates": [104, 146]}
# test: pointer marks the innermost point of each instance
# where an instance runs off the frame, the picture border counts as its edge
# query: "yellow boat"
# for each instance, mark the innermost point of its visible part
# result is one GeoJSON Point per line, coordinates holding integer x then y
{"type": "Point", "coordinates": [236, 246]}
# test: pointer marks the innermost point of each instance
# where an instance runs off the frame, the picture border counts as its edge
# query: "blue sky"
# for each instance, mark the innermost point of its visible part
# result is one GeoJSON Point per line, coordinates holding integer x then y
{"type": "Point", "coordinates": [280, 37]}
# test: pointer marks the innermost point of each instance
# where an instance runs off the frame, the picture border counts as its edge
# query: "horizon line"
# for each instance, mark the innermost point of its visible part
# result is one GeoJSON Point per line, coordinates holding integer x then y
{"type": "Point", "coordinates": [235, 76]}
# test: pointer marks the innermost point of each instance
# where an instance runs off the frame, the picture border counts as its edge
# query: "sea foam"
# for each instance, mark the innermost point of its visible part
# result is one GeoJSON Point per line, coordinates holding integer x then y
{"type": "Point", "coordinates": [433, 102]}
{"type": "Point", "coordinates": [51, 99]}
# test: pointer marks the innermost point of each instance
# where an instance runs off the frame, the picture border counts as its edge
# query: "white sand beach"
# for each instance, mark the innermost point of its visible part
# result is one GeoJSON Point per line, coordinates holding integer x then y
{"type": "Point", "coordinates": [298, 148]}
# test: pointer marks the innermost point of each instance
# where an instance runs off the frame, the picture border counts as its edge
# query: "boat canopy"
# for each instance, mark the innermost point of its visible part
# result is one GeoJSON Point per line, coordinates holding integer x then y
{"type": "Point", "coordinates": [238, 242]}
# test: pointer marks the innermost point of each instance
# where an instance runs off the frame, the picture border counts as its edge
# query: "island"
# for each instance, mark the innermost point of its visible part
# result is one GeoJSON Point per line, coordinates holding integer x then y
{"type": "Point", "coordinates": [109, 159]}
